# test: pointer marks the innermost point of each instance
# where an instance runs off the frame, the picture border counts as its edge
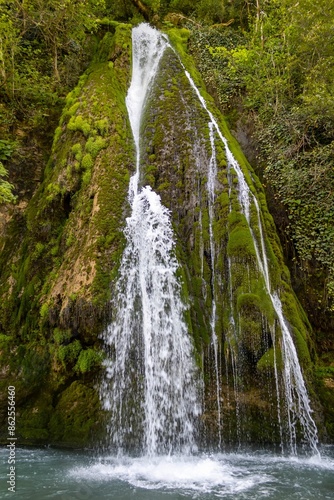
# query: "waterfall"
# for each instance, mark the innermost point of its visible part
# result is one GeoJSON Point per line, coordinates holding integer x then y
{"type": "Point", "coordinates": [150, 385]}
{"type": "Point", "coordinates": [295, 392]}
{"type": "Point", "coordinates": [211, 185]}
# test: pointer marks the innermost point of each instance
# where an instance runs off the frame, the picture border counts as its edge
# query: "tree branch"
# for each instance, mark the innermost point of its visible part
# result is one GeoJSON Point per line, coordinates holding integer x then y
{"type": "Point", "coordinates": [143, 9]}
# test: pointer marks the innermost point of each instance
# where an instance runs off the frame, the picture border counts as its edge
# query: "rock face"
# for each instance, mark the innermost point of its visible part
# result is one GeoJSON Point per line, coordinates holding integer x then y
{"type": "Point", "coordinates": [59, 262]}
{"type": "Point", "coordinates": [232, 314]}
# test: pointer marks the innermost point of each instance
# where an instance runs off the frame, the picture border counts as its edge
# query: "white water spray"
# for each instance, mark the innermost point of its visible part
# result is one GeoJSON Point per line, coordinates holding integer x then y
{"type": "Point", "coordinates": [151, 381]}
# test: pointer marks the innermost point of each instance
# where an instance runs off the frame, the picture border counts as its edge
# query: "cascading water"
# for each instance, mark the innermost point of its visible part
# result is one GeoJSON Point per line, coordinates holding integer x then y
{"type": "Point", "coordinates": [150, 386]}
{"type": "Point", "coordinates": [296, 396]}
{"type": "Point", "coordinates": [211, 185]}
{"type": "Point", "coordinates": [295, 391]}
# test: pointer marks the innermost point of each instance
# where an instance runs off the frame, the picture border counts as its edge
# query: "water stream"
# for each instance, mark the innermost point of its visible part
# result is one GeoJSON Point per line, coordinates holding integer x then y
{"type": "Point", "coordinates": [211, 187]}
{"type": "Point", "coordinates": [296, 396]}
{"type": "Point", "coordinates": [151, 384]}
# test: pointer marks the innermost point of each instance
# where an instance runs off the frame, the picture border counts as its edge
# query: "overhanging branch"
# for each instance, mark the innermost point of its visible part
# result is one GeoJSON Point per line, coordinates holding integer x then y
{"type": "Point", "coordinates": [143, 9]}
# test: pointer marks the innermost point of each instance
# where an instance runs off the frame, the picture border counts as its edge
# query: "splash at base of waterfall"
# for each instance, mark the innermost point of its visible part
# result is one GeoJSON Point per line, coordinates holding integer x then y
{"type": "Point", "coordinates": [150, 387]}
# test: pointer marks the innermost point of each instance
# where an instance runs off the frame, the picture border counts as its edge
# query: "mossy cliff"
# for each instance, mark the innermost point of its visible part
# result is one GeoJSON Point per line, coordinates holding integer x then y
{"type": "Point", "coordinates": [217, 250]}
{"type": "Point", "coordinates": [59, 260]}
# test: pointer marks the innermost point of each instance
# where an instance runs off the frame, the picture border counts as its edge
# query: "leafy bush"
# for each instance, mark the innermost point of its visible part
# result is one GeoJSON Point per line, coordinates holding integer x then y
{"type": "Point", "coordinates": [6, 189]}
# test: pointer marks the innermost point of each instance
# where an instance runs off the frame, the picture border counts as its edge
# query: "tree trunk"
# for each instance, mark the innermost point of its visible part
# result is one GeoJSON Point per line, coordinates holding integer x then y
{"type": "Point", "coordinates": [143, 9]}
{"type": "Point", "coordinates": [55, 63]}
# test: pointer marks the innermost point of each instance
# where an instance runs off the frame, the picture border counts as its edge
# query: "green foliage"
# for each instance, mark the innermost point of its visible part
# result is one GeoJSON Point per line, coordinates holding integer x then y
{"type": "Point", "coordinates": [120, 9]}
{"type": "Point", "coordinates": [44, 48]}
{"type": "Point", "coordinates": [68, 354]}
{"type": "Point", "coordinates": [211, 11]}
{"type": "Point", "coordinates": [6, 189]}
{"type": "Point", "coordinates": [282, 69]}
{"type": "Point", "coordinates": [212, 49]}
{"type": "Point", "coordinates": [4, 339]}
{"type": "Point", "coordinates": [7, 148]}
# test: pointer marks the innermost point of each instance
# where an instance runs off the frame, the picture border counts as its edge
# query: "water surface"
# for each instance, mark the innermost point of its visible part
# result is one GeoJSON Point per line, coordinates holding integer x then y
{"type": "Point", "coordinates": [51, 473]}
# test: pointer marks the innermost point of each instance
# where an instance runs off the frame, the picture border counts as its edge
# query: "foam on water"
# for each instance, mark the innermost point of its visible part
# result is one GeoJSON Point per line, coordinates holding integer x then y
{"type": "Point", "coordinates": [205, 474]}
{"type": "Point", "coordinates": [233, 475]}
{"type": "Point", "coordinates": [65, 474]}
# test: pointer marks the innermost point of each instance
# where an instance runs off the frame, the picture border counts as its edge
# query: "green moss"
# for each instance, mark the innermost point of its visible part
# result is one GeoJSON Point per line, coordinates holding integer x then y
{"type": "Point", "coordinates": [68, 354]}
{"type": "Point", "coordinates": [248, 301]}
{"type": "Point", "coordinates": [44, 310]}
{"type": "Point", "coordinates": [302, 349]}
{"type": "Point", "coordinates": [267, 361]}
{"type": "Point", "coordinates": [73, 109]}
{"type": "Point", "coordinates": [326, 396]}
{"type": "Point", "coordinates": [240, 243]}
{"type": "Point", "coordinates": [61, 336]}
{"type": "Point", "coordinates": [87, 161]}
{"type": "Point", "coordinates": [75, 419]}
{"type": "Point", "coordinates": [78, 123]}
{"type": "Point", "coordinates": [32, 424]}
{"type": "Point", "coordinates": [86, 177]}
{"type": "Point", "coordinates": [102, 126]}
{"type": "Point", "coordinates": [77, 151]}
{"type": "Point", "coordinates": [88, 360]}
{"type": "Point", "coordinates": [94, 145]}
{"type": "Point", "coordinates": [57, 135]}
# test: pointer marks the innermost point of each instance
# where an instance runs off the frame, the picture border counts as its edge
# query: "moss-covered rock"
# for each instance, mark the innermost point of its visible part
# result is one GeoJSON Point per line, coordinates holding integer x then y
{"type": "Point", "coordinates": [222, 254]}
{"type": "Point", "coordinates": [55, 280]}
{"type": "Point", "coordinates": [76, 418]}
